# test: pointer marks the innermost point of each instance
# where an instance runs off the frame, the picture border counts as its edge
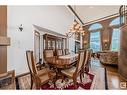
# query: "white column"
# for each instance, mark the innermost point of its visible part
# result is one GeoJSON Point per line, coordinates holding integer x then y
{"type": "Point", "coordinates": [81, 41]}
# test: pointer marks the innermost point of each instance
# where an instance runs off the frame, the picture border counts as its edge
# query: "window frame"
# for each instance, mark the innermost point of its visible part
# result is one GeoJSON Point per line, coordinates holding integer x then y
{"type": "Point", "coordinates": [96, 30]}
{"type": "Point", "coordinates": [118, 40]}
{"type": "Point", "coordinates": [99, 39]}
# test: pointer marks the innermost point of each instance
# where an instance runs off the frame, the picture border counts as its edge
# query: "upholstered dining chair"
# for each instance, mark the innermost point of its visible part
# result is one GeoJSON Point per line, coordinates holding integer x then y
{"type": "Point", "coordinates": [90, 56]}
{"type": "Point", "coordinates": [66, 51]}
{"type": "Point", "coordinates": [7, 80]}
{"type": "Point", "coordinates": [74, 72]}
{"type": "Point", "coordinates": [38, 77]}
{"type": "Point", "coordinates": [59, 52]}
{"type": "Point", "coordinates": [48, 53]}
{"type": "Point", "coordinates": [48, 56]}
{"type": "Point", "coordinates": [86, 64]}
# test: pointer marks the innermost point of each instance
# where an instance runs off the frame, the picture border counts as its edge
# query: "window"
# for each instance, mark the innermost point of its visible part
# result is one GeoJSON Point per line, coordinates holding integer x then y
{"type": "Point", "coordinates": [95, 41]}
{"type": "Point", "coordinates": [116, 21]}
{"type": "Point", "coordinates": [115, 35]}
{"type": "Point", "coordinates": [115, 39]}
{"type": "Point", "coordinates": [95, 26]}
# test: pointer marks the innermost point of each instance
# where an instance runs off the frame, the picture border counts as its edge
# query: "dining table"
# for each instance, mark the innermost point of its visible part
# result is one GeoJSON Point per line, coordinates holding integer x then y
{"type": "Point", "coordinates": [63, 62]}
{"type": "Point", "coordinates": [67, 60]}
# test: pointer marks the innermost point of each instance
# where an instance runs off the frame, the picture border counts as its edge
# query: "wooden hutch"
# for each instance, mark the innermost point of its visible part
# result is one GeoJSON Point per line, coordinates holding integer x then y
{"type": "Point", "coordinates": [54, 42]}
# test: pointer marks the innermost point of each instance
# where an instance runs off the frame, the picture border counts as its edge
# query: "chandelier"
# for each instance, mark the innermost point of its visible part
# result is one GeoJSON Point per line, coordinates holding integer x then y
{"type": "Point", "coordinates": [75, 27]}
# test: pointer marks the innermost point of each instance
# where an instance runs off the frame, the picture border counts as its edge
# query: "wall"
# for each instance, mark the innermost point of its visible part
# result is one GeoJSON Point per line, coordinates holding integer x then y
{"type": "Point", "coordinates": [55, 18]}
{"type": "Point", "coordinates": [123, 55]}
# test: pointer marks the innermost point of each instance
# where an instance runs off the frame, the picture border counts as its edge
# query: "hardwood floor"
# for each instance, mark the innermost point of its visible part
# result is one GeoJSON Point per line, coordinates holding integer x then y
{"type": "Point", "coordinates": [113, 78]}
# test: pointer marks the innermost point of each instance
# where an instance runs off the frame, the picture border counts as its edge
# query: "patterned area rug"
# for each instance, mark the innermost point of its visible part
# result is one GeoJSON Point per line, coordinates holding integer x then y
{"type": "Point", "coordinates": [87, 83]}
{"type": "Point", "coordinates": [98, 82]}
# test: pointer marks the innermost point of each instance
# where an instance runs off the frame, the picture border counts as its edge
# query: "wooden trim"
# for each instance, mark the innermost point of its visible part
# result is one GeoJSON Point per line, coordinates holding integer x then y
{"type": "Point", "coordinates": [100, 19]}
{"type": "Point", "coordinates": [21, 75]}
{"type": "Point", "coordinates": [75, 13]}
{"type": "Point", "coordinates": [37, 34]}
{"type": "Point", "coordinates": [96, 30]}
{"type": "Point", "coordinates": [47, 31]}
{"type": "Point", "coordinates": [4, 41]}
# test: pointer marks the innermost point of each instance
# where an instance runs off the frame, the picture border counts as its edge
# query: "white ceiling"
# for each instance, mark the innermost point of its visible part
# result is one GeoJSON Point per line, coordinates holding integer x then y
{"type": "Point", "coordinates": [90, 13]}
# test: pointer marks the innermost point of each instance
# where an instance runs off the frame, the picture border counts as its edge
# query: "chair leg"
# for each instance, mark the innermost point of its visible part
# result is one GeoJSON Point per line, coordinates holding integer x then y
{"type": "Point", "coordinates": [31, 84]}
{"type": "Point", "coordinates": [54, 81]}
{"type": "Point", "coordinates": [38, 86]}
{"type": "Point", "coordinates": [63, 78]}
{"type": "Point", "coordinates": [83, 72]}
{"type": "Point", "coordinates": [81, 76]}
{"type": "Point", "coordinates": [75, 83]}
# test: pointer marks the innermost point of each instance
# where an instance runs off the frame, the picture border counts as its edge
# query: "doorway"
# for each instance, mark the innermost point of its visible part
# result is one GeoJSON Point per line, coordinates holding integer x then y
{"type": "Point", "coordinates": [37, 46]}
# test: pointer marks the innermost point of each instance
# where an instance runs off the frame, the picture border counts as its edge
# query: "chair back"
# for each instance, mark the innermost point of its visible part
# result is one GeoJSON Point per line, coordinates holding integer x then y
{"type": "Point", "coordinates": [48, 53]}
{"type": "Point", "coordinates": [87, 58]}
{"type": "Point", "coordinates": [80, 61]}
{"type": "Point", "coordinates": [59, 52]}
{"type": "Point", "coordinates": [66, 51]}
{"type": "Point", "coordinates": [91, 53]}
{"type": "Point", "coordinates": [31, 62]}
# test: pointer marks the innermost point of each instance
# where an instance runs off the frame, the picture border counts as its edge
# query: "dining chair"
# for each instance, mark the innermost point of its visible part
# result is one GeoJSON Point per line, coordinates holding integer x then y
{"type": "Point", "coordinates": [48, 53]}
{"type": "Point", "coordinates": [74, 72]}
{"type": "Point", "coordinates": [49, 57]}
{"type": "Point", "coordinates": [59, 52]}
{"type": "Point", "coordinates": [66, 51]}
{"type": "Point", "coordinates": [86, 64]}
{"type": "Point", "coordinates": [7, 80]}
{"type": "Point", "coordinates": [38, 77]}
{"type": "Point", "coordinates": [90, 58]}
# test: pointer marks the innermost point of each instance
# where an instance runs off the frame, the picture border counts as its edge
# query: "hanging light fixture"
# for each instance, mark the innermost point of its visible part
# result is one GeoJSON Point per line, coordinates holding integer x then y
{"type": "Point", "coordinates": [75, 27]}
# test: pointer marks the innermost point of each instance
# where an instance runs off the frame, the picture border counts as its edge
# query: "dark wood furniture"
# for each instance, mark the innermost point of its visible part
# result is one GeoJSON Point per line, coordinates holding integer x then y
{"type": "Point", "coordinates": [66, 51]}
{"type": "Point", "coordinates": [38, 77]}
{"type": "Point", "coordinates": [86, 64]}
{"type": "Point", "coordinates": [59, 52]}
{"type": "Point", "coordinates": [53, 42]}
{"type": "Point", "coordinates": [74, 72]}
{"type": "Point", "coordinates": [62, 62]}
{"type": "Point", "coordinates": [7, 80]}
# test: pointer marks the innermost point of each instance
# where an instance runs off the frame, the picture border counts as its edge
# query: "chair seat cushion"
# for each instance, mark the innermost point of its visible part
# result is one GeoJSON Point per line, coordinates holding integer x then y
{"type": "Point", "coordinates": [43, 71]}
{"type": "Point", "coordinates": [69, 72]}
{"type": "Point", "coordinates": [44, 78]}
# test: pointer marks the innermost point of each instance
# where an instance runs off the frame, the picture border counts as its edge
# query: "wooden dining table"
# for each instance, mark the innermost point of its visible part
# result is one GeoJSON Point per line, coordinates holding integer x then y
{"type": "Point", "coordinates": [63, 61]}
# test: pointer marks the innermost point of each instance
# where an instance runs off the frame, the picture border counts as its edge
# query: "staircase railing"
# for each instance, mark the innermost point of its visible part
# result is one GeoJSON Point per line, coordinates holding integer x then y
{"type": "Point", "coordinates": [123, 14]}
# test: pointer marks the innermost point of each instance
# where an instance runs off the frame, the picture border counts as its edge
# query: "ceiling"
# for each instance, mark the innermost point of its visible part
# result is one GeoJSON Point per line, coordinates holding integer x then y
{"type": "Point", "coordinates": [94, 12]}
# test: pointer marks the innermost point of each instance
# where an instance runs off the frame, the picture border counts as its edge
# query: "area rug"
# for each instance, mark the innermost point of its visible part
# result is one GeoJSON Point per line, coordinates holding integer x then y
{"type": "Point", "coordinates": [87, 83]}
{"type": "Point", "coordinates": [98, 83]}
